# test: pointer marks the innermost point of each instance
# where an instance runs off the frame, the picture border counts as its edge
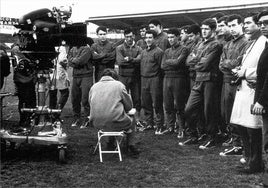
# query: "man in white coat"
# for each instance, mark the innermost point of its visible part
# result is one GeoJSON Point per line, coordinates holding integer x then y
{"type": "Point", "coordinates": [249, 126]}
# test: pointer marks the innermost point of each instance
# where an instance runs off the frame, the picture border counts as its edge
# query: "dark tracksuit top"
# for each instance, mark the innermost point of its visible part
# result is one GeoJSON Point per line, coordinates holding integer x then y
{"type": "Point", "coordinates": [103, 55]}
{"type": "Point", "coordinates": [205, 90]}
{"type": "Point", "coordinates": [162, 41]}
{"type": "Point", "coordinates": [151, 84]}
{"type": "Point", "coordinates": [129, 71]}
{"type": "Point", "coordinates": [231, 57]}
{"type": "Point", "coordinates": [174, 85]}
{"type": "Point", "coordinates": [80, 59]}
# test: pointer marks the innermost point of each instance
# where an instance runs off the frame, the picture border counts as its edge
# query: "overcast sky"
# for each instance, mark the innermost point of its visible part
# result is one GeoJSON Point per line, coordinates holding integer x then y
{"type": "Point", "coordinates": [83, 9]}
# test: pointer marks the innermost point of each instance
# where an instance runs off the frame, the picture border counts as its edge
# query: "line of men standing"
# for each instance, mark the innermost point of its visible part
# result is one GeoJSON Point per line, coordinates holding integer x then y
{"type": "Point", "coordinates": [175, 84]}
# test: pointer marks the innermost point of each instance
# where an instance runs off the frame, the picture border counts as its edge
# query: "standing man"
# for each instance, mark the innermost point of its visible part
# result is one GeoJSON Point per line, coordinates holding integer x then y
{"type": "Point", "coordinates": [261, 95]}
{"type": "Point", "coordinates": [204, 92]}
{"type": "Point", "coordinates": [184, 35]}
{"type": "Point", "coordinates": [60, 79]}
{"type": "Point", "coordinates": [141, 43]}
{"type": "Point", "coordinates": [174, 86]}
{"type": "Point", "coordinates": [223, 31]}
{"type": "Point", "coordinates": [152, 83]}
{"type": "Point", "coordinates": [231, 57]}
{"type": "Point", "coordinates": [194, 36]}
{"type": "Point", "coordinates": [161, 40]}
{"type": "Point", "coordinates": [79, 58]}
{"type": "Point", "coordinates": [248, 125]}
{"type": "Point", "coordinates": [128, 57]}
{"type": "Point", "coordinates": [103, 52]}
{"type": "Point", "coordinates": [25, 80]}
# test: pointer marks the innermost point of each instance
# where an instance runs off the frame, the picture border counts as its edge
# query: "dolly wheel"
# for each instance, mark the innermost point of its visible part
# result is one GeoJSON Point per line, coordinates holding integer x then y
{"type": "Point", "coordinates": [62, 158]}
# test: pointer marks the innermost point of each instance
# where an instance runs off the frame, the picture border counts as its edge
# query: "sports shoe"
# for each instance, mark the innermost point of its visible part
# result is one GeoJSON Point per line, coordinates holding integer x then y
{"type": "Point", "coordinates": [76, 122]}
{"type": "Point", "coordinates": [189, 141]}
{"type": "Point", "coordinates": [85, 123]}
{"type": "Point", "coordinates": [235, 151]}
{"type": "Point", "coordinates": [165, 130]}
{"type": "Point", "coordinates": [148, 127]}
{"type": "Point", "coordinates": [243, 160]}
{"type": "Point", "coordinates": [157, 131]}
{"type": "Point", "coordinates": [222, 137]}
{"type": "Point", "coordinates": [180, 134]}
{"type": "Point", "coordinates": [140, 127]}
{"type": "Point", "coordinates": [208, 145]}
{"type": "Point", "coordinates": [228, 142]}
{"type": "Point", "coordinates": [202, 138]}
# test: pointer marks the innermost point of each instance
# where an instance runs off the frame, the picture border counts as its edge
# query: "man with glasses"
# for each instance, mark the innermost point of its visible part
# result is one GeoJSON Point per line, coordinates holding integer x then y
{"type": "Point", "coordinates": [261, 95]}
{"type": "Point", "coordinates": [248, 125]}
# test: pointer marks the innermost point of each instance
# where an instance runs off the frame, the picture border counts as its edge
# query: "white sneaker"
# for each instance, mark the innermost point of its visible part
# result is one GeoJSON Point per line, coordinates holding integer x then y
{"type": "Point", "coordinates": [75, 123]}
{"type": "Point", "coordinates": [243, 160]}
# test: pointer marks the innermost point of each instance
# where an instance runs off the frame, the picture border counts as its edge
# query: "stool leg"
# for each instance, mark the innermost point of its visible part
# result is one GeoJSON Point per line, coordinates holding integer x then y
{"type": "Point", "coordinates": [119, 150]}
{"type": "Point", "coordinates": [95, 149]}
{"type": "Point", "coordinates": [100, 151]}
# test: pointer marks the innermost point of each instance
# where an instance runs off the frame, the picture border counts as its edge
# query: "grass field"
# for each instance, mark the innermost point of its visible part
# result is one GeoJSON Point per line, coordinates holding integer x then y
{"type": "Point", "coordinates": [162, 162]}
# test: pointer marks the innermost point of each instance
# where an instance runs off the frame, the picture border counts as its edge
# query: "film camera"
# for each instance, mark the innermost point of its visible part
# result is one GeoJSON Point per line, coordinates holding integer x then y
{"type": "Point", "coordinates": [41, 30]}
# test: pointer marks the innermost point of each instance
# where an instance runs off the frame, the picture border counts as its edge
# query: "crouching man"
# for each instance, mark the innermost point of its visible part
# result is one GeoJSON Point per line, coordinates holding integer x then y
{"type": "Point", "coordinates": [109, 105]}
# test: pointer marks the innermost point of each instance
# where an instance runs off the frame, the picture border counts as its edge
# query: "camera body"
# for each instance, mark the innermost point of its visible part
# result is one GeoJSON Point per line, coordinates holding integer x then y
{"type": "Point", "coordinates": [44, 29]}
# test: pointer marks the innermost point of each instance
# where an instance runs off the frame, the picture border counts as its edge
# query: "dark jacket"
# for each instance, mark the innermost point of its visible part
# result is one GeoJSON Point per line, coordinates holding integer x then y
{"type": "Point", "coordinates": [162, 41]}
{"type": "Point", "coordinates": [80, 59]}
{"type": "Point", "coordinates": [103, 54]}
{"type": "Point", "coordinates": [5, 66]}
{"type": "Point", "coordinates": [261, 94]}
{"type": "Point", "coordinates": [173, 61]}
{"type": "Point", "coordinates": [141, 43]}
{"type": "Point", "coordinates": [232, 56]}
{"type": "Point", "coordinates": [223, 39]}
{"type": "Point", "coordinates": [207, 60]}
{"type": "Point", "coordinates": [151, 61]}
{"type": "Point", "coordinates": [192, 49]}
{"type": "Point", "coordinates": [132, 66]}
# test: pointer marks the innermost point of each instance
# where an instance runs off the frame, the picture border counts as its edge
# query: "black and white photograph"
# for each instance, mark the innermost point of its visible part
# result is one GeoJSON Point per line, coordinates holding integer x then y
{"type": "Point", "coordinates": [134, 93]}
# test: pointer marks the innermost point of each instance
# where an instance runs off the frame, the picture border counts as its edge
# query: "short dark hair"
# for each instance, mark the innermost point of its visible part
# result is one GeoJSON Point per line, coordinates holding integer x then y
{"type": "Point", "coordinates": [217, 15]}
{"type": "Point", "coordinates": [223, 19]}
{"type": "Point", "coordinates": [262, 13]}
{"type": "Point", "coordinates": [185, 28]}
{"type": "Point", "coordinates": [151, 32]}
{"type": "Point", "coordinates": [237, 17]}
{"type": "Point", "coordinates": [195, 29]}
{"type": "Point", "coordinates": [128, 30]}
{"type": "Point", "coordinates": [155, 22]}
{"type": "Point", "coordinates": [110, 72]}
{"type": "Point", "coordinates": [254, 16]}
{"type": "Point", "coordinates": [144, 26]}
{"type": "Point", "coordinates": [102, 28]}
{"type": "Point", "coordinates": [175, 31]}
{"type": "Point", "coordinates": [210, 22]}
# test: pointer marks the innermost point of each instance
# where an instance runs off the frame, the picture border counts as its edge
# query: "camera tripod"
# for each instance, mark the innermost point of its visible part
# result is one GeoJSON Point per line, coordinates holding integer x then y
{"type": "Point", "coordinates": [45, 123]}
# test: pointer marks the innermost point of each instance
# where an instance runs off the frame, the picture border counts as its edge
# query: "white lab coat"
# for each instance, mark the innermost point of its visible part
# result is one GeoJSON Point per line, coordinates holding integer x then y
{"type": "Point", "coordinates": [245, 95]}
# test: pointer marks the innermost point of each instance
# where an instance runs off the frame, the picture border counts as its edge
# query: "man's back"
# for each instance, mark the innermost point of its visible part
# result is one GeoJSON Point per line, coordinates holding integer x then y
{"type": "Point", "coordinates": [109, 104]}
